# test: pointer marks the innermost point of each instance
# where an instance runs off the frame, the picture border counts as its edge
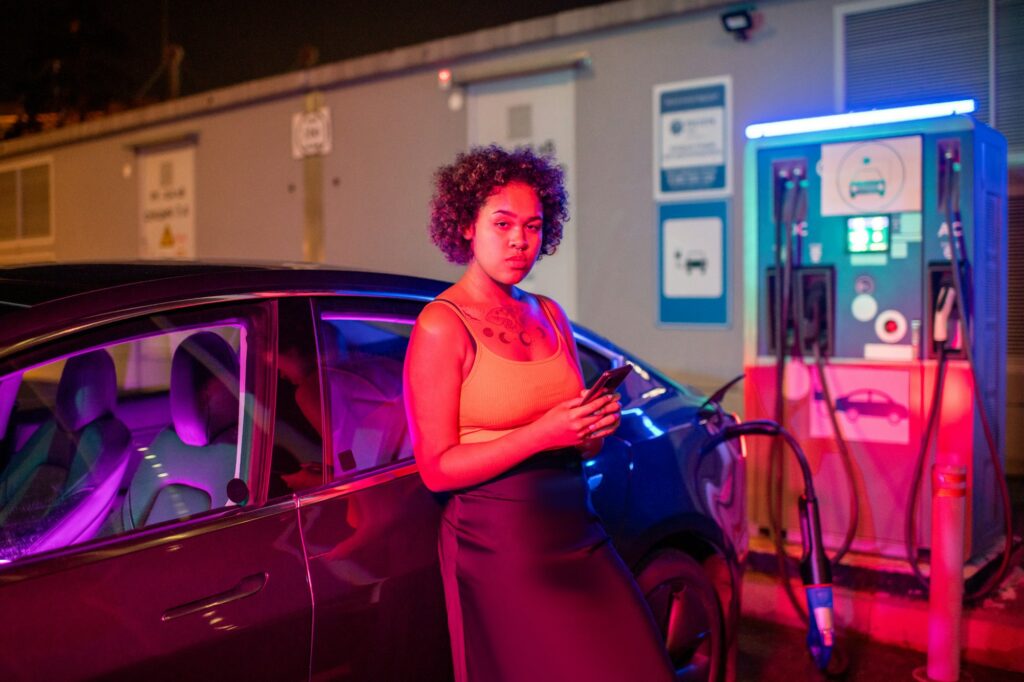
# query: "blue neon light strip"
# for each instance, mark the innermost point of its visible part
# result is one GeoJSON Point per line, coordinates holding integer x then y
{"type": "Point", "coordinates": [859, 118]}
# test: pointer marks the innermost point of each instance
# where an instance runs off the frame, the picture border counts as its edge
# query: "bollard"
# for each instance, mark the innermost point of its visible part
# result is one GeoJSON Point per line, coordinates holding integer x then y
{"type": "Point", "coordinates": [946, 591]}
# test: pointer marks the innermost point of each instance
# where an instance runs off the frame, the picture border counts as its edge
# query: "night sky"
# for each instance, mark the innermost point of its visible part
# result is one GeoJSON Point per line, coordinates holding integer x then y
{"type": "Point", "coordinates": [115, 45]}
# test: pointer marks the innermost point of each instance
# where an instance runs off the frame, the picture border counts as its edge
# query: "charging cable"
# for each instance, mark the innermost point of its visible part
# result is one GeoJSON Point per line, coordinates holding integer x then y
{"type": "Point", "coordinates": [815, 570]}
{"type": "Point", "coordinates": [952, 307]}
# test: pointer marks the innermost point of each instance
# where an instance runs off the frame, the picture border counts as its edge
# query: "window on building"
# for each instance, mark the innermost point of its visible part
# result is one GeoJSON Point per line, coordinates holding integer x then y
{"type": "Point", "coordinates": [25, 199]}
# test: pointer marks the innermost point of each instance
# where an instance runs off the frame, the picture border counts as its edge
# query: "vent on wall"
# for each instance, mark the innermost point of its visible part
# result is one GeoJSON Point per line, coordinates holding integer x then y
{"type": "Point", "coordinates": [905, 51]}
{"type": "Point", "coordinates": [1009, 18]}
{"type": "Point", "coordinates": [1015, 273]}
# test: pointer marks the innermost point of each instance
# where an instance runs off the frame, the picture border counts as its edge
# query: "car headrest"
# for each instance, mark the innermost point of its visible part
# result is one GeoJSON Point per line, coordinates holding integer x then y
{"type": "Point", "coordinates": [204, 388]}
{"type": "Point", "coordinates": [87, 389]}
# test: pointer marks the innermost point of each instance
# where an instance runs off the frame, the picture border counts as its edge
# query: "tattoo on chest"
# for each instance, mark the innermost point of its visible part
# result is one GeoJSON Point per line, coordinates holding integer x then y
{"type": "Point", "coordinates": [510, 325]}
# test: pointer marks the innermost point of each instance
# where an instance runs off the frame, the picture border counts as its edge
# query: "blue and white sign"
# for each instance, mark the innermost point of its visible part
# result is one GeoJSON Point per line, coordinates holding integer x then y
{"type": "Point", "coordinates": [693, 264]}
{"type": "Point", "coordinates": [692, 124]}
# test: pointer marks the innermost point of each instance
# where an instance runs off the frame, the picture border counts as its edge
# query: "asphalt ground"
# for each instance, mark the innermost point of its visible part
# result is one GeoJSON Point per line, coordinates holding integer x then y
{"type": "Point", "coordinates": [769, 652]}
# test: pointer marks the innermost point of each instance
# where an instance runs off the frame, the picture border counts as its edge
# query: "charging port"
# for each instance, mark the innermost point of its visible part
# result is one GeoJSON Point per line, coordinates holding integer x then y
{"type": "Point", "coordinates": [943, 319]}
{"type": "Point", "coordinates": [812, 316]}
{"type": "Point", "coordinates": [815, 310]}
{"type": "Point", "coordinates": [772, 316]}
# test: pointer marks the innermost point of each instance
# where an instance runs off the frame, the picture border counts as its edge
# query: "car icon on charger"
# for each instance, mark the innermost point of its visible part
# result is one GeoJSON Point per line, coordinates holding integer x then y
{"type": "Point", "coordinates": [867, 181]}
{"type": "Point", "coordinates": [870, 402]}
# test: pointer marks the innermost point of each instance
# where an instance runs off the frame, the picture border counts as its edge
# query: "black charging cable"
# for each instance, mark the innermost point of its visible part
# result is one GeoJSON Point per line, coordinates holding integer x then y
{"type": "Point", "coordinates": [960, 266]}
{"type": "Point", "coordinates": [955, 300]}
{"type": "Point", "coordinates": [815, 568]}
{"type": "Point", "coordinates": [853, 514]}
{"type": "Point", "coordinates": [790, 211]}
{"type": "Point", "coordinates": [786, 191]}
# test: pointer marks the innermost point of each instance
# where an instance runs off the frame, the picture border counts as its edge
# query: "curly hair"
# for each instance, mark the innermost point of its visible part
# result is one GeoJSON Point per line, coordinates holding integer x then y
{"type": "Point", "coordinates": [462, 188]}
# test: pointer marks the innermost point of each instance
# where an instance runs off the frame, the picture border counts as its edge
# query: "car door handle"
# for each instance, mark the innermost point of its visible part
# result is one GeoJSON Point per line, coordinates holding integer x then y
{"type": "Point", "coordinates": [246, 587]}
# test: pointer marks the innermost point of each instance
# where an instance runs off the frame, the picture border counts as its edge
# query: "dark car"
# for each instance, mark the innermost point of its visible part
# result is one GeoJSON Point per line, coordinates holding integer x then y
{"type": "Point", "coordinates": [205, 472]}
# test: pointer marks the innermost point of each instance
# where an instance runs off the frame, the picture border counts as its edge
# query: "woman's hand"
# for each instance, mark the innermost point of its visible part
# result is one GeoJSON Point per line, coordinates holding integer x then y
{"type": "Point", "coordinates": [572, 424]}
{"type": "Point", "coordinates": [610, 413]}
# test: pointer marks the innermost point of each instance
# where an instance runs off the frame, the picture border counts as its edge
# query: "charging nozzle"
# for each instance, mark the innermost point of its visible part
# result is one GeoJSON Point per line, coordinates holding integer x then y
{"type": "Point", "coordinates": [821, 631]}
{"type": "Point", "coordinates": [815, 570]}
{"type": "Point", "coordinates": [945, 305]}
{"type": "Point", "coordinates": [816, 574]}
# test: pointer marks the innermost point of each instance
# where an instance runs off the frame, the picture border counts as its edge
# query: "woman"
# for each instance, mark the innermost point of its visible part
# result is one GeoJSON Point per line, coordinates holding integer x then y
{"type": "Point", "coordinates": [534, 589]}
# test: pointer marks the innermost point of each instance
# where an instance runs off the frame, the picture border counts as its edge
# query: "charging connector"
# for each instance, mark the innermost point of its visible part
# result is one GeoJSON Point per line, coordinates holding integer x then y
{"type": "Point", "coordinates": [815, 310]}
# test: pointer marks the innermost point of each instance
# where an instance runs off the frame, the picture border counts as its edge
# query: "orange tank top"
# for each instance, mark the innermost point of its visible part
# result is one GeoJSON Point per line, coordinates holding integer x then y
{"type": "Point", "coordinates": [499, 394]}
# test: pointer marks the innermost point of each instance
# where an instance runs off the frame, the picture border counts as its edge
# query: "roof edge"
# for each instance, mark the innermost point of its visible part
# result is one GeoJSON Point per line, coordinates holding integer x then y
{"type": "Point", "coordinates": [435, 52]}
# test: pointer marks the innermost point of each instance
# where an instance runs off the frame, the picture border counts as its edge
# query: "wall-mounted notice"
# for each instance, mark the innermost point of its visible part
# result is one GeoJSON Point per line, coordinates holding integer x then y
{"type": "Point", "coordinates": [693, 264]}
{"type": "Point", "coordinates": [167, 188]}
{"type": "Point", "coordinates": [692, 124]}
{"type": "Point", "coordinates": [311, 133]}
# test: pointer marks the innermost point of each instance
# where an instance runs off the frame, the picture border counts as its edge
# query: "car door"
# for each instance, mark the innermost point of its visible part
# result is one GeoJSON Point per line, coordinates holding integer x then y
{"type": "Point", "coordinates": [371, 530]}
{"type": "Point", "coordinates": [141, 554]}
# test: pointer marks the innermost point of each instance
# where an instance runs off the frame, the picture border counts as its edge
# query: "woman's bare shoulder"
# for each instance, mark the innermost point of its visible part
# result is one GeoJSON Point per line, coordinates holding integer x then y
{"type": "Point", "coordinates": [440, 320]}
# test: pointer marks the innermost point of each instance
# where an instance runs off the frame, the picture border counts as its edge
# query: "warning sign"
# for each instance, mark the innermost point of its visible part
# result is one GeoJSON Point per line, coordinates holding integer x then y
{"type": "Point", "coordinates": [167, 203]}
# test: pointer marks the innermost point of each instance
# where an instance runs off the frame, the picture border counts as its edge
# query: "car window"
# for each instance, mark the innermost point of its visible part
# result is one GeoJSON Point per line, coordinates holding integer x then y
{"type": "Point", "coordinates": [297, 458]}
{"type": "Point", "coordinates": [592, 363]}
{"type": "Point", "coordinates": [121, 435]}
{"type": "Point", "coordinates": [361, 357]}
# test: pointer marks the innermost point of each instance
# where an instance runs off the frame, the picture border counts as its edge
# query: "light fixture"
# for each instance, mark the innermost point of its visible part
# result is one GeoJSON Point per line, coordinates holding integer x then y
{"type": "Point", "coordinates": [739, 22]}
{"type": "Point", "coordinates": [859, 118]}
{"type": "Point", "coordinates": [444, 79]}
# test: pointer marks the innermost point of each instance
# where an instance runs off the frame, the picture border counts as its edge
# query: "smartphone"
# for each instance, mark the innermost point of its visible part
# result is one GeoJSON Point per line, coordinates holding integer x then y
{"type": "Point", "coordinates": [609, 380]}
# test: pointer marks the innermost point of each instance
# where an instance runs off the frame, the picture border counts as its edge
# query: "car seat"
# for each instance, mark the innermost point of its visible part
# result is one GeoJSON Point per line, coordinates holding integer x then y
{"type": "Point", "coordinates": [60, 486]}
{"type": "Point", "coordinates": [188, 464]}
{"type": "Point", "coordinates": [368, 425]}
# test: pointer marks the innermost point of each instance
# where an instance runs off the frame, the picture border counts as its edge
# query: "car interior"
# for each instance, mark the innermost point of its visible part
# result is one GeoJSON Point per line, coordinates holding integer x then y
{"type": "Point", "coordinates": [58, 486]}
{"type": "Point", "coordinates": [122, 439]}
{"type": "Point", "coordinates": [363, 373]}
{"type": "Point", "coordinates": [186, 467]}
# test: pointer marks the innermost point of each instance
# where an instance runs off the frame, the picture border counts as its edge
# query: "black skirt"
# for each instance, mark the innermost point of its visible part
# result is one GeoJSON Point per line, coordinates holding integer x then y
{"type": "Point", "coordinates": [534, 589]}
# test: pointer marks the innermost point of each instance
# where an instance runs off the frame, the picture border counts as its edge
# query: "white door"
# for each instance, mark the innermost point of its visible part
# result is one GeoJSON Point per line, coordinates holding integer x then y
{"type": "Point", "coordinates": [540, 112]}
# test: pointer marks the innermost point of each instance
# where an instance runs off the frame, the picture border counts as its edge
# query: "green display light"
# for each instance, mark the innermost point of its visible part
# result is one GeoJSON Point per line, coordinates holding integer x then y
{"type": "Point", "coordinates": [867, 234]}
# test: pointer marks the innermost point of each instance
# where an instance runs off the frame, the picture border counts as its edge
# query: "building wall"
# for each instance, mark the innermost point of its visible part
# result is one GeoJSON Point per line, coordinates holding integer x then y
{"type": "Point", "coordinates": [95, 206]}
{"type": "Point", "coordinates": [389, 136]}
{"type": "Point", "coordinates": [391, 131]}
{"type": "Point", "coordinates": [249, 190]}
{"type": "Point", "coordinates": [392, 127]}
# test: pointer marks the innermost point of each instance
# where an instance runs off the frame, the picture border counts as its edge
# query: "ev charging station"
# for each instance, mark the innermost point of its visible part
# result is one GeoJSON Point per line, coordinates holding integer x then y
{"type": "Point", "coordinates": [856, 227]}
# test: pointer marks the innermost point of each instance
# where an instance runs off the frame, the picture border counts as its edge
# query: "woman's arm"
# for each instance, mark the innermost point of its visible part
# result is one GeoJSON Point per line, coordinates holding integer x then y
{"type": "Point", "coordinates": [611, 410]}
{"type": "Point", "coordinates": [438, 350]}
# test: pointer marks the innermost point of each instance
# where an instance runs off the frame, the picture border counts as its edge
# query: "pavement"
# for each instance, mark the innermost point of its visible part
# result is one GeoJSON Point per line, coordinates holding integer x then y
{"type": "Point", "coordinates": [882, 621]}
{"type": "Point", "coordinates": [769, 652]}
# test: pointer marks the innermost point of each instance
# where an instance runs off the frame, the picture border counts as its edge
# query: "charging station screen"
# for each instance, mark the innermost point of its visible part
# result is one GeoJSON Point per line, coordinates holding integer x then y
{"type": "Point", "coordinates": [867, 234]}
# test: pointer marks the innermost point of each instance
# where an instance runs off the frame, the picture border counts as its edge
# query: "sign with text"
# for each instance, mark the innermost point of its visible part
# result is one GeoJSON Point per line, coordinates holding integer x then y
{"type": "Point", "coordinates": [167, 224]}
{"type": "Point", "coordinates": [692, 123]}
